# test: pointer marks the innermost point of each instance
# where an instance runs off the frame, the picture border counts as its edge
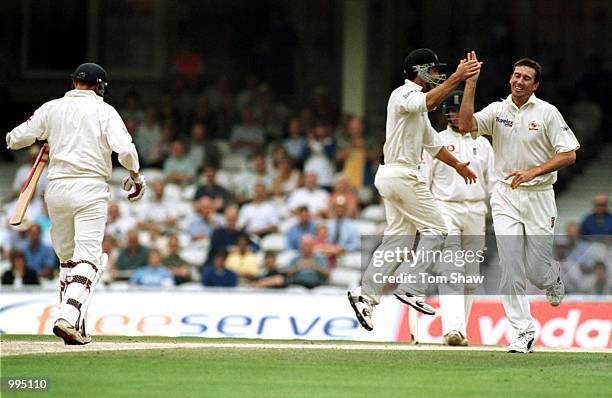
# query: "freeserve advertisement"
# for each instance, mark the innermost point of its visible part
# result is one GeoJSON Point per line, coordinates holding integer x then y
{"type": "Point", "coordinates": [298, 316]}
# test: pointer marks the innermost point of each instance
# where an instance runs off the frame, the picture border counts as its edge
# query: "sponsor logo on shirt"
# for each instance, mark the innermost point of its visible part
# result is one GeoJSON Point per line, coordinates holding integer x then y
{"type": "Point", "coordinates": [533, 126]}
{"type": "Point", "coordinates": [552, 221]}
{"type": "Point", "coordinates": [505, 122]}
{"type": "Point", "coordinates": [451, 148]}
{"type": "Point", "coordinates": [565, 128]}
{"type": "Point", "coordinates": [408, 93]}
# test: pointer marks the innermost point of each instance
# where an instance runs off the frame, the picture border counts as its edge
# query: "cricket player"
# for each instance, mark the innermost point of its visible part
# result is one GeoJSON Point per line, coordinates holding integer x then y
{"type": "Point", "coordinates": [531, 141]}
{"type": "Point", "coordinates": [82, 131]}
{"type": "Point", "coordinates": [408, 202]}
{"type": "Point", "coordinates": [463, 208]}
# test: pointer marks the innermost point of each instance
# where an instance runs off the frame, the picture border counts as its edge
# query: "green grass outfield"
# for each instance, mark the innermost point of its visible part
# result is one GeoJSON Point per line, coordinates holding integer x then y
{"type": "Point", "coordinates": [291, 372]}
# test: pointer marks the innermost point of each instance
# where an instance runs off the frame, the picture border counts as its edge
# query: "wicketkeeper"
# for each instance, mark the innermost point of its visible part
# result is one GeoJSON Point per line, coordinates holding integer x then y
{"type": "Point", "coordinates": [82, 131]}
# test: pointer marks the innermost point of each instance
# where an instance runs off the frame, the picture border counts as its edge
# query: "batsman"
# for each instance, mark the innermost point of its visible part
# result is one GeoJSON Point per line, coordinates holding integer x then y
{"type": "Point", "coordinates": [82, 131]}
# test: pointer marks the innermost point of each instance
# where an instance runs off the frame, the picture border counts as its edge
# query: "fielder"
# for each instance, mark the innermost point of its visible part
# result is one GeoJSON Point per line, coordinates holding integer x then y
{"type": "Point", "coordinates": [463, 209]}
{"type": "Point", "coordinates": [409, 205]}
{"type": "Point", "coordinates": [82, 131]}
{"type": "Point", "coordinates": [531, 141]}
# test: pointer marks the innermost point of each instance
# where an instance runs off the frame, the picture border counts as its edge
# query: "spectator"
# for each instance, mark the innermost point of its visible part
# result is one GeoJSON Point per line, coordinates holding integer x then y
{"type": "Point", "coordinates": [342, 230]}
{"type": "Point", "coordinates": [247, 180]}
{"type": "Point", "coordinates": [109, 246]}
{"type": "Point", "coordinates": [343, 192]}
{"type": "Point", "coordinates": [303, 226]}
{"type": "Point", "coordinates": [210, 189]}
{"type": "Point", "coordinates": [19, 274]}
{"type": "Point", "coordinates": [601, 285]}
{"type": "Point", "coordinates": [39, 257]}
{"type": "Point", "coordinates": [224, 237]}
{"type": "Point", "coordinates": [218, 275]}
{"type": "Point", "coordinates": [316, 199]}
{"type": "Point", "coordinates": [168, 113]}
{"type": "Point", "coordinates": [179, 168]}
{"type": "Point", "coordinates": [148, 139]}
{"type": "Point", "coordinates": [295, 143]}
{"type": "Point", "coordinates": [201, 150]}
{"type": "Point", "coordinates": [118, 224]}
{"type": "Point", "coordinates": [358, 156]}
{"type": "Point", "coordinates": [205, 221]}
{"type": "Point", "coordinates": [242, 260]}
{"type": "Point", "coordinates": [134, 255]}
{"type": "Point", "coordinates": [154, 274]}
{"type": "Point", "coordinates": [321, 155]}
{"type": "Point", "coordinates": [259, 217]}
{"type": "Point", "coordinates": [324, 247]}
{"type": "Point", "coordinates": [287, 178]}
{"type": "Point", "coordinates": [272, 277]}
{"type": "Point", "coordinates": [215, 94]}
{"type": "Point", "coordinates": [131, 107]}
{"type": "Point", "coordinates": [181, 271]}
{"type": "Point", "coordinates": [307, 269]}
{"type": "Point", "coordinates": [157, 210]}
{"type": "Point", "coordinates": [600, 221]}
{"type": "Point", "coordinates": [248, 137]}
{"type": "Point", "coordinates": [270, 114]}
{"type": "Point", "coordinates": [202, 114]}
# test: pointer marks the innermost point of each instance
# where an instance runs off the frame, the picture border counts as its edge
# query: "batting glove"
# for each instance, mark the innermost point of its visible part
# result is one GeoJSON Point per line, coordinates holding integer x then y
{"type": "Point", "coordinates": [139, 184]}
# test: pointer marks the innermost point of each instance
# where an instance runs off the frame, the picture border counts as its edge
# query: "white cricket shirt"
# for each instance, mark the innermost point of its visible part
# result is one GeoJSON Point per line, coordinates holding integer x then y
{"type": "Point", "coordinates": [525, 138]}
{"type": "Point", "coordinates": [82, 131]}
{"type": "Point", "coordinates": [445, 183]}
{"type": "Point", "coordinates": [408, 129]}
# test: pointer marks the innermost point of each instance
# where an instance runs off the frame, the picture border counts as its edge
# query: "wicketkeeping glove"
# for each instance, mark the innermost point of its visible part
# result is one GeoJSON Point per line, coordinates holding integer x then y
{"type": "Point", "coordinates": [139, 184]}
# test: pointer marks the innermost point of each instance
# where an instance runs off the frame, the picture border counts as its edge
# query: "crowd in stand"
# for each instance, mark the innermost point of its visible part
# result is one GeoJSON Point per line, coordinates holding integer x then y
{"type": "Point", "coordinates": [244, 190]}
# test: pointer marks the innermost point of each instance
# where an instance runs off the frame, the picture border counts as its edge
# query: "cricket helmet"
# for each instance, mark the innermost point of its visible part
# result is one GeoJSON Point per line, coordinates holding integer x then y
{"type": "Point", "coordinates": [92, 73]}
{"type": "Point", "coordinates": [418, 63]}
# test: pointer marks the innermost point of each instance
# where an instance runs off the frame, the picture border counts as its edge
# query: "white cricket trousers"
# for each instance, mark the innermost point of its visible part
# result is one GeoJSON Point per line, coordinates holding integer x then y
{"type": "Point", "coordinates": [465, 222]}
{"type": "Point", "coordinates": [78, 210]}
{"type": "Point", "coordinates": [524, 222]}
{"type": "Point", "coordinates": [409, 206]}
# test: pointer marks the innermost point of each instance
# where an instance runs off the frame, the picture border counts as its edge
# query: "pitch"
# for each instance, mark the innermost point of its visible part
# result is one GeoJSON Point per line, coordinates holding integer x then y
{"type": "Point", "coordinates": [147, 367]}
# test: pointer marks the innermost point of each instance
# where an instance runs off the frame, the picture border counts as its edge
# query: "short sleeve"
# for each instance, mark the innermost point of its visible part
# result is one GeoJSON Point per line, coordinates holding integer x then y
{"type": "Point", "coordinates": [432, 142]}
{"type": "Point", "coordinates": [412, 101]}
{"type": "Point", "coordinates": [560, 135]}
{"type": "Point", "coordinates": [485, 119]}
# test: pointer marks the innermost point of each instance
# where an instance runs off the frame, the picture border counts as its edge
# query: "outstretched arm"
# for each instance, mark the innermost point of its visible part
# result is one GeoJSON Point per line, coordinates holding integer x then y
{"type": "Point", "coordinates": [462, 168]}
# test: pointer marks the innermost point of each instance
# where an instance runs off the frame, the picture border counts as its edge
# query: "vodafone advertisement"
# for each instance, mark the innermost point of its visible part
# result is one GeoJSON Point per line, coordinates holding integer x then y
{"type": "Point", "coordinates": [298, 316]}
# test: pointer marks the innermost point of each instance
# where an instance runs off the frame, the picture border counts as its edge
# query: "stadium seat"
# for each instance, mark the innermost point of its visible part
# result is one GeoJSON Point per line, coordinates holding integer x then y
{"type": "Point", "coordinates": [375, 213]}
{"type": "Point", "coordinates": [194, 255]}
{"type": "Point", "coordinates": [351, 260]}
{"type": "Point", "coordinates": [233, 162]}
{"type": "Point", "coordinates": [345, 277]}
{"type": "Point", "coordinates": [365, 227]}
{"type": "Point", "coordinates": [283, 259]}
{"type": "Point", "coordinates": [274, 243]}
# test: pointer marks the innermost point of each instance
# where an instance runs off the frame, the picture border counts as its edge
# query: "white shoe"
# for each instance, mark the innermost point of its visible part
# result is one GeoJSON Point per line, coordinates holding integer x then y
{"type": "Point", "coordinates": [556, 293]}
{"type": "Point", "coordinates": [416, 302]}
{"type": "Point", "coordinates": [523, 343]}
{"type": "Point", "coordinates": [363, 308]}
{"type": "Point", "coordinates": [455, 338]}
{"type": "Point", "coordinates": [62, 328]}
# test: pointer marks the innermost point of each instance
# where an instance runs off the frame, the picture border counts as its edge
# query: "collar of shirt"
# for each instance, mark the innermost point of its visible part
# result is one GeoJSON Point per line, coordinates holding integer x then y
{"type": "Point", "coordinates": [83, 93]}
{"type": "Point", "coordinates": [532, 100]}
{"type": "Point", "coordinates": [412, 84]}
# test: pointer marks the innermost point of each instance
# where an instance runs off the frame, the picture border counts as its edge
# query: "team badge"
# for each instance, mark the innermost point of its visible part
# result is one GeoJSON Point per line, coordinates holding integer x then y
{"type": "Point", "coordinates": [533, 126]}
{"type": "Point", "coordinates": [474, 151]}
{"type": "Point", "coordinates": [451, 148]}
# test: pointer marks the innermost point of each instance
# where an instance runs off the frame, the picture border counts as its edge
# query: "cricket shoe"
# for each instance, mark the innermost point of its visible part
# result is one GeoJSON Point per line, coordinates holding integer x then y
{"type": "Point", "coordinates": [71, 336]}
{"type": "Point", "coordinates": [363, 308]}
{"type": "Point", "coordinates": [523, 343]}
{"type": "Point", "coordinates": [455, 338]}
{"type": "Point", "coordinates": [556, 293]}
{"type": "Point", "coordinates": [416, 302]}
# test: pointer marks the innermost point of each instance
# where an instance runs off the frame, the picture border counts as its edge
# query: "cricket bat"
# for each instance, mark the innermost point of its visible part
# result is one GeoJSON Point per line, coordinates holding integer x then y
{"type": "Point", "coordinates": [30, 186]}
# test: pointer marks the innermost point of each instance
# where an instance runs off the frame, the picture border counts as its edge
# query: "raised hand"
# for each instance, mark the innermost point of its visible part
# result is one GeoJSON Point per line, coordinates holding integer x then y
{"type": "Point", "coordinates": [471, 56]}
{"type": "Point", "coordinates": [468, 68]}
